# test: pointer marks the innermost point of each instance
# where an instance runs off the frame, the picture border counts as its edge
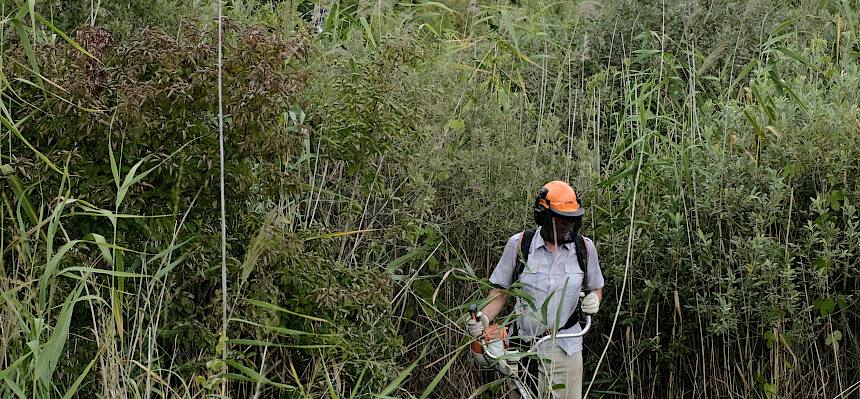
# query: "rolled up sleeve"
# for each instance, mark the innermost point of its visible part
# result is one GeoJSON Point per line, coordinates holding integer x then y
{"type": "Point", "coordinates": [503, 273]}
{"type": "Point", "coordinates": [593, 276]}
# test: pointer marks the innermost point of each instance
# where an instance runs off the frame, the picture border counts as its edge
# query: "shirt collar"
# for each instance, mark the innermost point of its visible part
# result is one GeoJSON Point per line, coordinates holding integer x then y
{"type": "Point", "coordinates": [539, 242]}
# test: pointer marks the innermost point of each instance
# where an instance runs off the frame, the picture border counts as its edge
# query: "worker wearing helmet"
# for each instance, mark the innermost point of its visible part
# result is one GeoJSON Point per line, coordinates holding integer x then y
{"type": "Point", "coordinates": [553, 277]}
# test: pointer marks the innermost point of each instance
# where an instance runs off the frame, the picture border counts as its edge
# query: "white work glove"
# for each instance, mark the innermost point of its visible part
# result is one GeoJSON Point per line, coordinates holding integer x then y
{"type": "Point", "coordinates": [591, 303]}
{"type": "Point", "coordinates": [476, 327]}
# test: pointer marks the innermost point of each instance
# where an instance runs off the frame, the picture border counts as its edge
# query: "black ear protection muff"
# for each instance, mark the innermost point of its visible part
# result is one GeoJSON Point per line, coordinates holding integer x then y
{"type": "Point", "coordinates": [541, 212]}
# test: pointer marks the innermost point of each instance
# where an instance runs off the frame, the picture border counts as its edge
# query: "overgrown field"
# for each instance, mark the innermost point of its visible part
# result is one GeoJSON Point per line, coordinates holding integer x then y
{"type": "Point", "coordinates": [374, 170]}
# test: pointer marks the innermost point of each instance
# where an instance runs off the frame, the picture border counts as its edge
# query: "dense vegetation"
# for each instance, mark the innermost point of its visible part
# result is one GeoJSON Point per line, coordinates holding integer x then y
{"type": "Point", "coordinates": [374, 170]}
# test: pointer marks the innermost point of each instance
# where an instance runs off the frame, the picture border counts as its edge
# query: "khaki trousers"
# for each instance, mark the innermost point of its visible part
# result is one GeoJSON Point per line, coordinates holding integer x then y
{"type": "Point", "coordinates": [560, 371]}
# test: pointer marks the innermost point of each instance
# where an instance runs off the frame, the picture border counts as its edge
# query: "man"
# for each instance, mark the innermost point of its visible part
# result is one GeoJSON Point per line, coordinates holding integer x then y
{"type": "Point", "coordinates": [552, 277]}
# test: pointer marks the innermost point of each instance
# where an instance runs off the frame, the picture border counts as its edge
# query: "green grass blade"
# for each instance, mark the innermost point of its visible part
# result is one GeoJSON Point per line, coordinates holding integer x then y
{"type": "Point", "coordinates": [254, 376]}
{"type": "Point", "coordinates": [46, 362]}
{"type": "Point", "coordinates": [270, 306]}
{"type": "Point", "coordinates": [357, 386]}
{"type": "Point", "coordinates": [169, 268]}
{"type": "Point", "coordinates": [114, 170]}
{"type": "Point", "coordinates": [331, 391]}
{"type": "Point", "coordinates": [104, 247]}
{"type": "Point", "coordinates": [20, 192]}
{"type": "Point", "coordinates": [439, 376]}
{"type": "Point", "coordinates": [50, 267]}
{"type": "Point", "coordinates": [65, 37]}
{"type": "Point", "coordinates": [14, 366]}
{"type": "Point", "coordinates": [283, 330]}
{"type": "Point", "coordinates": [24, 39]}
{"type": "Point", "coordinates": [17, 133]}
{"type": "Point", "coordinates": [15, 388]}
{"type": "Point", "coordinates": [399, 380]}
{"type": "Point", "coordinates": [256, 342]}
{"type": "Point", "coordinates": [93, 270]}
{"type": "Point", "coordinates": [70, 392]}
{"type": "Point", "coordinates": [130, 179]}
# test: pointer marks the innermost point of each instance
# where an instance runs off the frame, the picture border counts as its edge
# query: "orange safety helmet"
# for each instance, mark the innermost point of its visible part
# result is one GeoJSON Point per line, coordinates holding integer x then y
{"type": "Point", "coordinates": [558, 199]}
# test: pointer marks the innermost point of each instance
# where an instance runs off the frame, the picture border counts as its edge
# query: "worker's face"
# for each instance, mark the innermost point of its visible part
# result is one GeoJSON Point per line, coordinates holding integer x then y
{"type": "Point", "coordinates": [564, 228]}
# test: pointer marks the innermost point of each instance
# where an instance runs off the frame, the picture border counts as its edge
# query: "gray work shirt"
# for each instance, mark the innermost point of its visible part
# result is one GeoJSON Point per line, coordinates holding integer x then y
{"type": "Point", "coordinates": [553, 281]}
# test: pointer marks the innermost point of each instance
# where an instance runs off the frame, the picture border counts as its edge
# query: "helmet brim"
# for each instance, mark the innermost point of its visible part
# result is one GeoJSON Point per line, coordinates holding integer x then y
{"type": "Point", "coordinates": [569, 214]}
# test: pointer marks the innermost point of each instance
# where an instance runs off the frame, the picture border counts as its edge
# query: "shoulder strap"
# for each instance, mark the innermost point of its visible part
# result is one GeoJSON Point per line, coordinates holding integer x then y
{"type": "Point", "coordinates": [523, 258]}
{"type": "Point", "coordinates": [582, 258]}
{"type": "Point", "coordinates": [581, 253]}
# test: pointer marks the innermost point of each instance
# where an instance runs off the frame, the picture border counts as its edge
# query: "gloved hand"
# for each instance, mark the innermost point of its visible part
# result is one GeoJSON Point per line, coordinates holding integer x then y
{"type": "Point", "coordinates": [591, 303]}
{"type": "Point", "coordinates": [475, 327]}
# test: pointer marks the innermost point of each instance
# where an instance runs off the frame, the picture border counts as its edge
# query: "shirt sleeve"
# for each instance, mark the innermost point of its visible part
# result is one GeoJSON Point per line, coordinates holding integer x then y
{"type": "Point", "coordinates": [503, 273]}
{"type": "Point", "coordinates": [593, 276]}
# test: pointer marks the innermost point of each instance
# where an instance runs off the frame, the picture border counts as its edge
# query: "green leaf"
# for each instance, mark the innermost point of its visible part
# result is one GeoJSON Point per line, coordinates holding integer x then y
{"type": "Point", "coordinates": [15, 388]}
{"type": "Point", "coordinates": [331, 391]}
{"type": "Point", "coordinates": [835, 199]}
{"type": "Point", "coordinates": [104, 247]}
{"type": "Point", "coordinates": [357, 385]}
{"type": "Point", "coordinates": [769, 339]}
{"type": "Point", "coordinates": [340, 234]}
{"type": "Point", "coordinates": [742, 75]}
{"type": "Point", "coordinates": [769, 389]}
{"type": "Point", "coordinates": [457, 125]}
{"type": "Point", "coordinates": [776, 39]}
{"type": "Point", "coordinates": [368, 31]}
{"type": "Point", "coordinates": [132, 178]}
{"type": "Point", "coordinates": [833, 339]}
{"type": "Point", "coordinates": [14, 366]}
{"type": "Point", "coordinates": [164, 271]}
{"type": "Point", "coordinates": [825, 306]}
{"type": "Point", "coordinates": [796, 56]}
{"type": "Point", "coordinates": [544, 309]}
{"type": "Point", "coordinates": [423, 288]}
{"type": "Point", "coordinates": [400, 261]}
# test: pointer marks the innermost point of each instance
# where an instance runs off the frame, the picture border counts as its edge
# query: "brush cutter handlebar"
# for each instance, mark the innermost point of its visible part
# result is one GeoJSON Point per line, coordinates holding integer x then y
{"type": "Point", "coordinates": [490, 349]}
{"type": "Point", "coordinates": [494, 355]}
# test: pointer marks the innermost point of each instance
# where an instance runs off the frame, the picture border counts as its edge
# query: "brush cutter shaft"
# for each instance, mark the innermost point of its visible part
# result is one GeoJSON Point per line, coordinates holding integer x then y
{"type": "Point", "coordinates": [490, 354]}
{"type": "Point", "coordinates": [571, 335]}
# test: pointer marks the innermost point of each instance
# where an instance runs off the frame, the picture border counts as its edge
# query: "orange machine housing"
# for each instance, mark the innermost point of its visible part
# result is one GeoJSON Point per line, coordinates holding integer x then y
{"type": "Point", "coordinates": [493, 332]}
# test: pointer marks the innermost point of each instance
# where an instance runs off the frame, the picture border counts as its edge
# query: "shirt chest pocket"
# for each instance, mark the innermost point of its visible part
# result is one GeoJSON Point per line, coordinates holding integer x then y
{"type": "Point", "coordinates": [539, 279]}
{"type": "Point", "coordinates": [536, 279]}
{"type": "Point", "coordinates": [572, 278]}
